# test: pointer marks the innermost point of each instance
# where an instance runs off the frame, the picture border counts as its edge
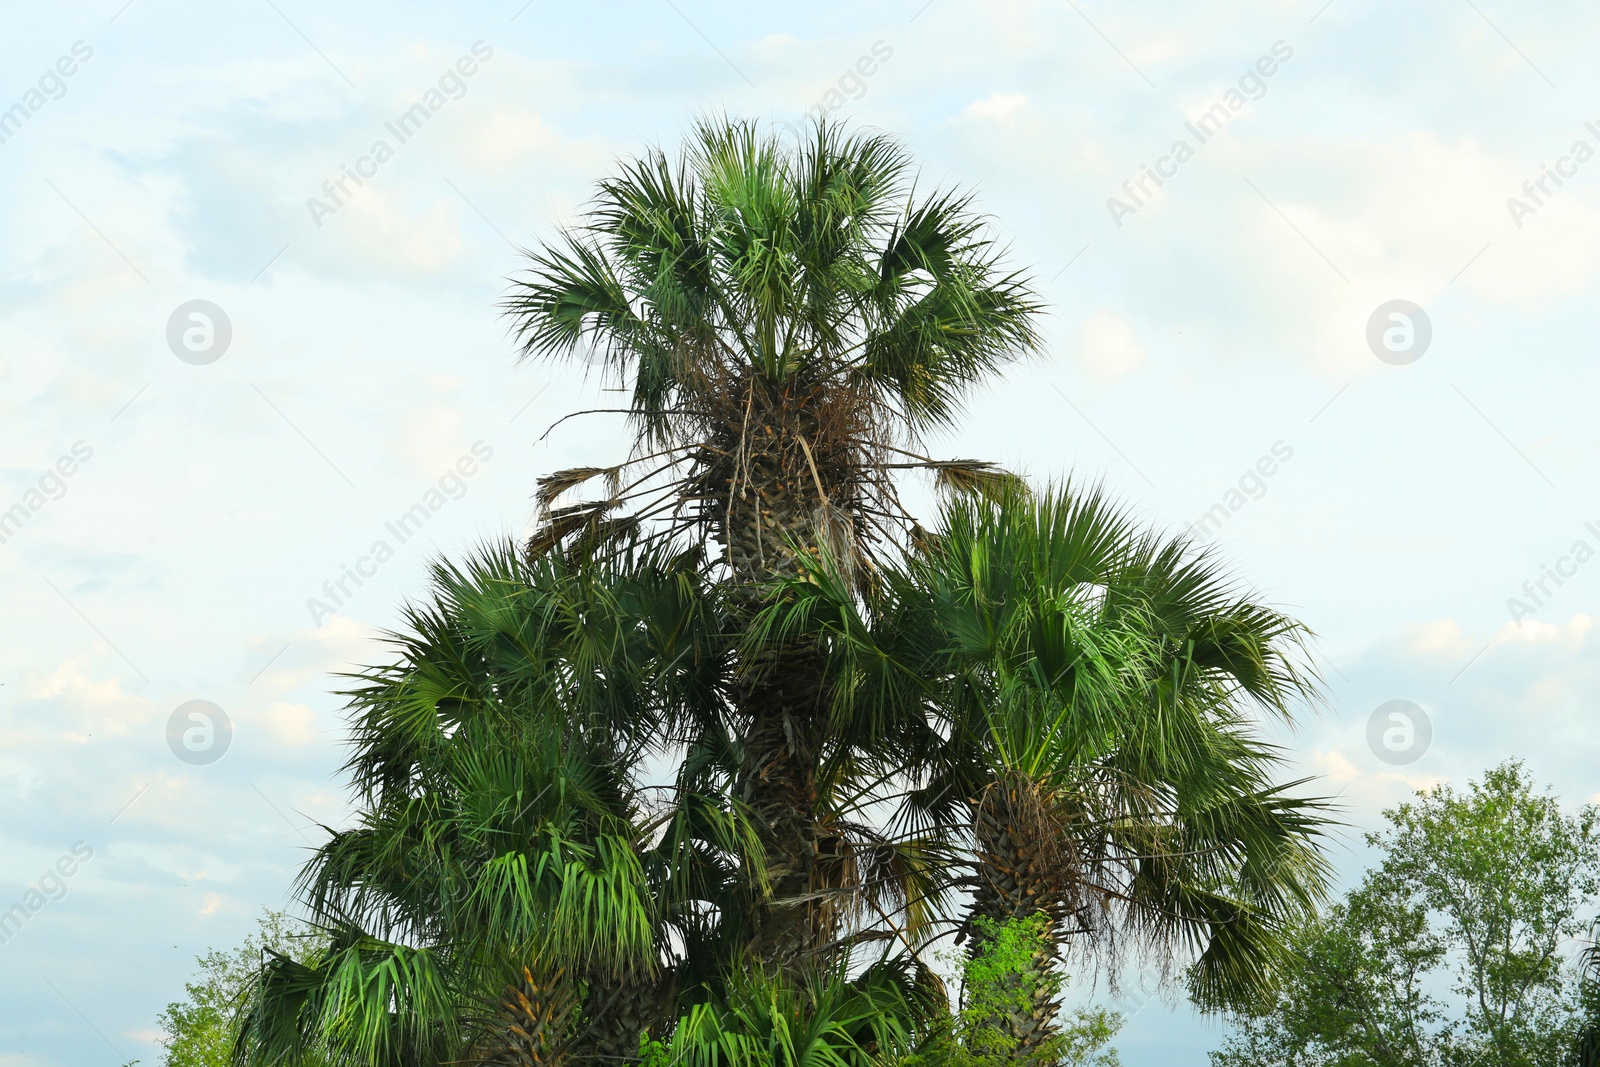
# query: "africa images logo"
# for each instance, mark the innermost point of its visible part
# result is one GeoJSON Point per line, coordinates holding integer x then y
{"type": "Point", "coordinates": [1252, 85]}
{"type": "Point", "coordinates": [405, 126]}
{"type": "Point", "coordinates": [50, 886]}
{"type": "Point", "coordinates": [1399, 732]}
{"type": "Point", "coordinates": [452, 485]}
{"type": "Point", "coordinates": [199, 732]}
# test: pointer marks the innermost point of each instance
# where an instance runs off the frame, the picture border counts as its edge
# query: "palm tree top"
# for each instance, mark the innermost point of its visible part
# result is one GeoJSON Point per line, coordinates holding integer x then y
{"type": "Point", "coordinates": [747, 258]}
{"type": "Point", "coordinates": [789, 314]}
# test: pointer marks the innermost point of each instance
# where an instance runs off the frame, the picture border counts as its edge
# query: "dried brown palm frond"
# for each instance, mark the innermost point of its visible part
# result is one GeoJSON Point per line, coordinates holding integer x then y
{"type": "Point", "coordinates": [552, 486]}
{"type": "Point", "coordinates": [563, 523]}
{"type": "Point", "coordinates": [976, 478]}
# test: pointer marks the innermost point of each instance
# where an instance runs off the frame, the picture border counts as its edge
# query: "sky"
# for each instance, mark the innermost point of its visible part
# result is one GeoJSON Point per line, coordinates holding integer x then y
{"type": "Point", "coordinates": [1352, 326]}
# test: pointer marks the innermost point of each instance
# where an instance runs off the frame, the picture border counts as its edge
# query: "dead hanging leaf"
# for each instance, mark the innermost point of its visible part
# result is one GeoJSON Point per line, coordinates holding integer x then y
{"type": "Point", "coordinates": [564, 522]}
{"type": "Point", "coordinates": [836, 538]}
{"type": "Point", "coordinates": [602, 532]}
{"type": "Point", "coordinates": [977, 478]}
{"type": "Point", "coordinates": [554, 485]}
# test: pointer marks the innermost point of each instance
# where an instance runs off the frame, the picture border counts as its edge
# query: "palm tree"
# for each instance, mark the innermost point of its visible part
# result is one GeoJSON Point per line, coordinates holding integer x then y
{"type": "Point", "coordinates": [510, 862]}
{"type": "Point", "coordinates": [516, 892]}
{"type": "Point", "coordinates": [746, 611]}
{"type": "Point", "coordinates": [1093, 688]}
{"type": "Point", "coordinates": [1586, 1045]}
{"type": "Point", "coordinates": [788, 325]}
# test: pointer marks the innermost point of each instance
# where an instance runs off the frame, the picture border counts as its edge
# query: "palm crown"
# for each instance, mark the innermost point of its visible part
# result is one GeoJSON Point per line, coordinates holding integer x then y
{"type": "Point", "coordinates": [785, 321]}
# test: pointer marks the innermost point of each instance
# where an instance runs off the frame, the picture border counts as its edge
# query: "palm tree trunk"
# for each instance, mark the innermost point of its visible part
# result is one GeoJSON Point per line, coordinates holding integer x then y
{"type": "Point", "coordinates": [615, 1013]}
{"type": "Point", "coordinates": [769, 497]}
{"type": "Point", "coordinates": [780, 696]}
{"type": "Point", "coordinates": [533, 1024]}
{"type": "Point", "coordinates": [530, 1025]}
{"type": "Point", "coordinates": [1016, 881]}
{"type": "Point", "coordinates": [778, 782]}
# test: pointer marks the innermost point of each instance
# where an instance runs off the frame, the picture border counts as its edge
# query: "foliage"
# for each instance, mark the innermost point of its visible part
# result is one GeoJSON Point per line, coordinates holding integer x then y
{"type": "Point", "coordinates": [506, 820]}
{"type": "Point", "coordinates": [1586, 1046]}
{"type": "Point", "coordinates": [1001, 979]}
{"type": "Point", "coordinates": [998, 980]}
{"type": "Point", "coordinates": [1081, 696]}
{"type": "Point", "coordinates": [701, 771]}
{"type": "Point", "coordinates": [832, 1021]}
{"type": "Point", "coordinates": [1450, 951]}
{"type": "Point", "coordinates": [200, 1029]}
{"type": "Point", "coordinates": [740, 259]}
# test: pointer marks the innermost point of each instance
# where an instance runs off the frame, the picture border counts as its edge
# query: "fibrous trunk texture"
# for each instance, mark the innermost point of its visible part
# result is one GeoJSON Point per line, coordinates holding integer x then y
{"type": "Point", "coordinates": [616, 1011]}
{"type": "Point", "coordinates": [781, 482]}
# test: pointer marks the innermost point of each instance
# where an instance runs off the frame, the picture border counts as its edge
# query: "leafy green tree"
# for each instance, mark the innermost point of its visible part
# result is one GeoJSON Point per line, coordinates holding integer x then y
{"type": "Point", "coordinates": [200, 1029]}
{"type": "Point", "coordinates": [1361, 993]}
{"type": "Point", "coordinates": [1451, 950]}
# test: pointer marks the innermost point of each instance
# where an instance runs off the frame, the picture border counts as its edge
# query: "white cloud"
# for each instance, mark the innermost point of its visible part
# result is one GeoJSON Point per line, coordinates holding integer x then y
{"type": "Point", "coordinates": [1333, 765]}
{"type": "Point", "coordinates": [1445, 639]}
{"type": "Point", "coordinates": [1440, 638]}
{"type": "Point", "coordinates": [502, 138]}
{"type": "Point", "coordinates": [308, 656]}
{"type": "Point", "coordinates": [1108, 347]}
{"type": "Point", "coordinates": [383, 232]}
{"type": "Point", "coordinates": [1536, 632]}
{"type": "Point", "coordinates": [86, 706]}
{"type": "Point", "coordinates": [293, 724]}
{"type": "Point", "coordinates": [996, 107]}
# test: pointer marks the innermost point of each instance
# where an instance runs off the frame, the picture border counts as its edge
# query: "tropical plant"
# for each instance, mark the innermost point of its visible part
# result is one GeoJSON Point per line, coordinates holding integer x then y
{"type": "Point", "coordinates": [787, 325]}
{"type": "Point", "coordinates": [1092, 688]}
{"type": "Point", "coordinates": [721, 751]}
{"type": "Point", "coordinates": [828, 1020]}
{"type": "Point", "coordinates": [507, 822]}
{"type": "Point", "coordinates": [198, 1030]}
{"type": "Point", "coordinates": [1586, 1047]}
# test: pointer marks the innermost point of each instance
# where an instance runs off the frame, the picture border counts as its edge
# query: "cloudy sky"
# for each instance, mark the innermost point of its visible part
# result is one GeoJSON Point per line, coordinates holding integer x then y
{"type": "Point", "coordinates": [179, 488]}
